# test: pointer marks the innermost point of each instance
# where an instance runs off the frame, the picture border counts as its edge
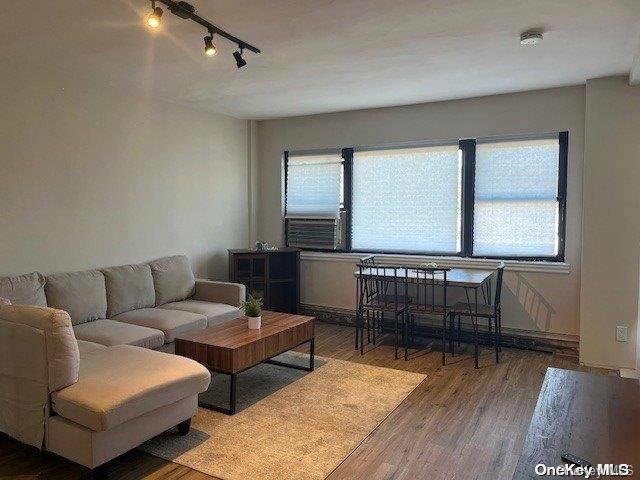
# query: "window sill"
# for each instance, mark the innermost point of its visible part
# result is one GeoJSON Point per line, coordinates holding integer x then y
{"type": "Point", "coordinates": [459, 262]}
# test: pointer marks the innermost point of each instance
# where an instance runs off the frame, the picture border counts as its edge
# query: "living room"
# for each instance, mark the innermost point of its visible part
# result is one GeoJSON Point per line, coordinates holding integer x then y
{"type": "Point", "coordinates": [428, 209]}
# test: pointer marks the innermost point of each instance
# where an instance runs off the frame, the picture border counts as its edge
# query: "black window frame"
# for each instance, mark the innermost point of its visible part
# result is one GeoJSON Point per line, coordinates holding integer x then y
{"type": "Point", "coordinates": [468, 148]}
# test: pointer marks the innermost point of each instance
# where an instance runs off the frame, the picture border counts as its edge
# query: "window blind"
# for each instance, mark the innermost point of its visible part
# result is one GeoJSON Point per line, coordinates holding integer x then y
{"type": "Point", "coordinates": [314, 185]}
{"type": "Point", "coordinates": [407, 200]}
{"type": "Point", "coordinates": [516, 209]}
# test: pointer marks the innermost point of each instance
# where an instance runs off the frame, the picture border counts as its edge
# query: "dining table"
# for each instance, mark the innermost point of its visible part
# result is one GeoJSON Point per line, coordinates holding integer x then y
{"type": "Point", "coordinates": [472, 280]}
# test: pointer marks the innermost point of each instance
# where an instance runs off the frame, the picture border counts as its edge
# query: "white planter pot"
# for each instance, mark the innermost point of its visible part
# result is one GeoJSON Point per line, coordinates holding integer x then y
{"type": "Point", "coordinates": [255, 323]}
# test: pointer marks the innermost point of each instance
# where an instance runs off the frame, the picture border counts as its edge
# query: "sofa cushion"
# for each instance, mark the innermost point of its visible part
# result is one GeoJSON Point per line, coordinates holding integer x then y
{"type": "Point", "coordinates": [81, 294]}
{"type": "Point", "coordinates": [110, 333]}
{"type": "Point", "coordinates": [215, 312]}
{"type": "Point", "coordinates": [129, 287]}
{"type": "Point", "coordinates": [173, 279]}
{"type": "Point", "coordinates": [171, 322]}
{"type": "Point", "coordinates": [121, 383]}
{"type": "Point", "coordinates": [24, 289]}
{"type": "Point", "coordinates": [87, 347]}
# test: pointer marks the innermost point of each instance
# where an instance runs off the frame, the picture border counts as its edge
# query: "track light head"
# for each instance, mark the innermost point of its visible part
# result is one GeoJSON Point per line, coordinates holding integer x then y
{"type": "Point", "coordinates": [154, 18]}
{"type": "Point", "coordinates": [209, 47]}
{"type": "Point", "coordinates": [240, 62]}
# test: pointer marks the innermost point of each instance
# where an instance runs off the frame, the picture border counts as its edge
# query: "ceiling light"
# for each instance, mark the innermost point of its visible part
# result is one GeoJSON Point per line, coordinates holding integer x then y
{"type": "Point", "coordinates": [530, 37]}
{"type": "Point", "coordinates": [240, 62]}
{"type": "Point", "coordinates": [154, 18]}
{"type": "Point", "coordinates": [209, 47]}
{"type": "Point", "coordinates": [182, 9]}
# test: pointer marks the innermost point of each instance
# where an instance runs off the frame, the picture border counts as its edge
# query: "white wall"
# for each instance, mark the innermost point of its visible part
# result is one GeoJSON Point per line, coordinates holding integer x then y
{"type": "Point", "coordinates": [539, 302]}
{"type": "Point", "coordinates": [91, 176]}
{"type": "Point", "coordinates": [611, 225]}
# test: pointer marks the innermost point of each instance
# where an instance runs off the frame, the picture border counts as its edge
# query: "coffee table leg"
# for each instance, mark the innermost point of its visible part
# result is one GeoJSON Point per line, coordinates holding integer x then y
{"type": "Point", "coordinates": [232, 394]}
{"type": "Point", "coordinates": [298, 367]}
{"type": "Point", "coordinates": [232, 399]}
{"type": "Point", "coordinates": [312, 352]}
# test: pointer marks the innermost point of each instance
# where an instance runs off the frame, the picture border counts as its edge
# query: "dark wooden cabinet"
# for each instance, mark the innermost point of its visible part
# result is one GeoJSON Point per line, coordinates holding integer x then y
{"type": "Point", "coordinates": [273, 275]}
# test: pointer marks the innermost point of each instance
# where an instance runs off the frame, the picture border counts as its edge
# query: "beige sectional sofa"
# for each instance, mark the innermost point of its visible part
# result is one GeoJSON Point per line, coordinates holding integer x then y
{"type": "Point", "coordinates": [74, 379]}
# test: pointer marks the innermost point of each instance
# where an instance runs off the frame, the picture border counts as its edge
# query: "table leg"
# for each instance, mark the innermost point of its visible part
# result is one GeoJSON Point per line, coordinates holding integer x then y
{"type": "Point", "coordinates": [232, 399]}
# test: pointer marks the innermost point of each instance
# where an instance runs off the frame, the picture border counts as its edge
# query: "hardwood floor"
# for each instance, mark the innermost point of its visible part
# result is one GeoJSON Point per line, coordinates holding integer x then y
{"type": "Point", "coordinates": [460, 423]}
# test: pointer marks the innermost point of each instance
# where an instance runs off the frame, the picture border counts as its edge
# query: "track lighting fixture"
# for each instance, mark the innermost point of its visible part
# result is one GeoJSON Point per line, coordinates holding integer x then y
{"type": "Point", "coordinates": [184, 10]}
{"type": "Point", "coordinates": [240, 62]}
{"type": "Point", "coordinates": [209, 47]}
{"type": "Point", "coordinates": [154, 18]}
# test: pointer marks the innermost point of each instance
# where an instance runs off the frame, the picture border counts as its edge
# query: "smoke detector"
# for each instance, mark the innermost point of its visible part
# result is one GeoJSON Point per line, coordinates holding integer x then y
{"type": "Point", "coordinates": [530, 38]}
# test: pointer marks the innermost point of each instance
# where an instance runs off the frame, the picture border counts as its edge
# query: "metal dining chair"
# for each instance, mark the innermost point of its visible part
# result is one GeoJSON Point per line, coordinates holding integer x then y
{"type": "Point", "coordinates": [425, 303]}
{"type": "Point", "coordinates": [381, 289]}
{"type": "Point", "coordinates": [492, 313]}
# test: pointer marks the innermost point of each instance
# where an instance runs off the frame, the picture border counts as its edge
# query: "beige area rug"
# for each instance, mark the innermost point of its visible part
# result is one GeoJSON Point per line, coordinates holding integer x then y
{"type": "Point", "coordinates": [302, 431]}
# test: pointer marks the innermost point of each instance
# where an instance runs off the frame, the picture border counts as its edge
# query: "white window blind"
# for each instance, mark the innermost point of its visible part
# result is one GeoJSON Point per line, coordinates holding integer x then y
{"type": "Point", "coordinates": [407, 200]}
{"type": "Point", "coordinates": [516, 209]}
{"type": "Point", "coordinates": [314, 185]}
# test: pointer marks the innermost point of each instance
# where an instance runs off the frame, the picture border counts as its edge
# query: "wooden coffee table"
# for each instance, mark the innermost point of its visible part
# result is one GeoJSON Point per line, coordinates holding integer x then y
{"type": "Point", "coordinates": [231, 348]}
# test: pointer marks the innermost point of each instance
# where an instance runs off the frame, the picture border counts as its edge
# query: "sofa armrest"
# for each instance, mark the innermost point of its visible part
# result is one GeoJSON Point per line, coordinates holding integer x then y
{"type": "Point", "coordinates": [220, 292]}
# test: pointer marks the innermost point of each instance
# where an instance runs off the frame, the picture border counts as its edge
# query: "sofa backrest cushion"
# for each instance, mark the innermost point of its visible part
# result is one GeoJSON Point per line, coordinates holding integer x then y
{"type": "Point", "coordinates": [173, 279]}
{"type": "Point", "coordinates": [38, 355]}
{"type": "Point", "coordinates": [129, 287]}
{"type": "Point", "coordinates": [24, 289]}
{"type": "Point", "coordinates": [82, 294]}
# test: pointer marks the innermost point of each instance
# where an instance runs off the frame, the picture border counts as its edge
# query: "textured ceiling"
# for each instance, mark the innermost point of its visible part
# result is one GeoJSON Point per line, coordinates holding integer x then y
{"type": "Point", "coordinates": [326, 55]}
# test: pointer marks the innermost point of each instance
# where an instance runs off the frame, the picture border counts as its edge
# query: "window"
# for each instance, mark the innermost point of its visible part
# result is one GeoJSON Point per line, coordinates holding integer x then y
{"type": "Point", "coordinates": [516, 208]}
{"type": "Point", "coordinates": [472, 198]}
{"type": "Point", "coordinates": [407, 200]}
{"type": "Point", "coordinates": [314, 185]}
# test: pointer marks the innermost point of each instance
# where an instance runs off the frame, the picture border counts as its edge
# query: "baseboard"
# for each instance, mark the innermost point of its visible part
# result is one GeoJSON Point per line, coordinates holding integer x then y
{"type": "Point", "coordinates": [512, 338]}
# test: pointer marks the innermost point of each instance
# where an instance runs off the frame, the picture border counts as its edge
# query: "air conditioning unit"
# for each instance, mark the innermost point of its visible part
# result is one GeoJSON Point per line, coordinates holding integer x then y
{"type": "Point", "coordinates": [316, 233]}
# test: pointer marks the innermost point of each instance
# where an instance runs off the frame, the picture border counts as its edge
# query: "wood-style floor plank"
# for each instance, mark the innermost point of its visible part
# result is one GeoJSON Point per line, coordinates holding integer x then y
{"type": "Point", "coordinates": [459, 423]}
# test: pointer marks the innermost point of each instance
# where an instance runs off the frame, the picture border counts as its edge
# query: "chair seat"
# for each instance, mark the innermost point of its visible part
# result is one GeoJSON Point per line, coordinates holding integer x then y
{"type": "Point", "coordinates": [427, 309]}
{"type": "Point", "coordinates": [463, 308]}
{"type": "Point", "coordinates": [387, 302]}
{"type": "Point", "coordinates": [120, 383]}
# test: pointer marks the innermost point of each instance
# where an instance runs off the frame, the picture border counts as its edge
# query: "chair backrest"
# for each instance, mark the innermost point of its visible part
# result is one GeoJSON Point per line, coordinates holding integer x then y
{"type": "Point", "coordinates": [38, 355]}
{"type": "Point", "coordinates": [497, 299]}
{"type": "Point", "coordinates": [376, 281]}
{"type": "Point", "coordinates": [428, 280]}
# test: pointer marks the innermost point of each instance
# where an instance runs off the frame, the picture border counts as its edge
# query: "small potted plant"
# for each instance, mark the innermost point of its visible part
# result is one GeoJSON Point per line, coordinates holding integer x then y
{"type": "Point", "coordinates": [253, 311]}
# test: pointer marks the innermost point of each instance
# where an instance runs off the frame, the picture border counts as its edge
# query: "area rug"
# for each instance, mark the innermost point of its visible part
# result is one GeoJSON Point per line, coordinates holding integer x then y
{"type": "Point", "coordinates": [302, 431]}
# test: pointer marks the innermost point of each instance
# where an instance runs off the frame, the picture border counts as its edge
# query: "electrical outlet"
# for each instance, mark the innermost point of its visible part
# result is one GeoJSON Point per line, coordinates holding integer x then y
{"type": "Point", "coordinates": [621, 333]}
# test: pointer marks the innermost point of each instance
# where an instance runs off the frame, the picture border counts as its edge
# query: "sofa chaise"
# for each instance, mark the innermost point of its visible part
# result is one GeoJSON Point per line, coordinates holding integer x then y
{"type": "Point", "coordinates": [78, 372]}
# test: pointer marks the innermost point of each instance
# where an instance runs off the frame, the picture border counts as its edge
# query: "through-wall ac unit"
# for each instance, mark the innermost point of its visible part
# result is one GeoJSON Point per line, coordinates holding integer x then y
{"type": "Point", "coordinates": [316, 233]}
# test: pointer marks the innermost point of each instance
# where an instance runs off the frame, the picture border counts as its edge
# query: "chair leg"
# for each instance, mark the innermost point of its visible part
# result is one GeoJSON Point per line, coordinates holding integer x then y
{"type": "Point", "coordinates": [368, 326]}
{"type": "Point", "coordinates": [452, 340]}
{"type": "Point", "coordinates": [500, 332]}
{"type": "Point", "coordinates": [405, 323]}
{"type": "Point", "coordinates": [375, 325]}
{"type": "Point", "coordinates": [362, 333]}
{"type": "Point", "coordinates": [459, 329]}
{"type": "Point", "coordinates": [496, 340]}
{"type": "Point", "coordinates": [444, 331]}
{"type": "Point", "coordinates": [413, 325]}
{"type": "Point", "coordinates": [357, 325]}
{"type": "Point", "coordinates": [395, 339]}
{"type": "Point", "coordinates": [475, 339]}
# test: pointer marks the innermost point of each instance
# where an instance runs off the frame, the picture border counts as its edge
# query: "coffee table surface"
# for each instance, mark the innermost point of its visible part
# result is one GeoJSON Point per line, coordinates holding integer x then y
{"type": "Point", "coordinates": [232, 347]}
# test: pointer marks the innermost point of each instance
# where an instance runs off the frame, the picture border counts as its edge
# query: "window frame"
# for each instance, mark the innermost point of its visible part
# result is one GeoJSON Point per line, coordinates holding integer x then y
{"type": "Point", "coordinates": [468, 149]}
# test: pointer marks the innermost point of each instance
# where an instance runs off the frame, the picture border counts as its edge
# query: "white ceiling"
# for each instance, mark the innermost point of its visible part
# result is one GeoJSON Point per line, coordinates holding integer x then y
{"type": "Point", "coordinates": [326, 55]}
